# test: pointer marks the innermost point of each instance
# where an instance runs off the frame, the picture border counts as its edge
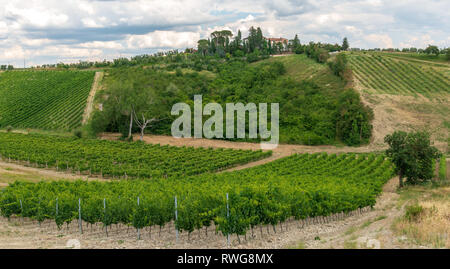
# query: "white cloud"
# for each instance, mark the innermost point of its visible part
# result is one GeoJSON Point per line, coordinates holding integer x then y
{"type": "Point", "coordinates": [40, 30]}
{"type": "Point", "coordinates": [102, 45]}
{"type": "Point", "coordinates": [163, 39]}
{"type": "Point", "coordinates": [13, 52]}
{"type": "Point", "coordinates": [380, 40]}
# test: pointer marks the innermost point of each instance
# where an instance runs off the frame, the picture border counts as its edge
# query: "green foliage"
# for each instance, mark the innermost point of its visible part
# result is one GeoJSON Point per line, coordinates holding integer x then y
{"type": "Point", "coordinates": [44, 99]}
{"type": "Point", "coordinates": [298, 186]}
{"type": "Point", "coordinates": [310, 113]}
{"type": "Point", "coordinates": [412, 155]}
{"type": "Point", "coordinates": [78, 133]}
{"type": "Point", "coordinates": [319, 51]}
{"type": "Point", "coordinates": [345, 45]}
{"type": "Point", "coordinates": [431, 49]}
{"type": "Point", "coordinates": [178, 72]}
{"type": "Point", "coordinates": [353, 120]}
{"type": "Point", "coordinates": [339, 64]}
{"type": "Point", "coordinates": [442, 168]}
{"type": "Point", "coordinates": [117, 159]}
{"type": "Point", "coordinates": [413, 212]}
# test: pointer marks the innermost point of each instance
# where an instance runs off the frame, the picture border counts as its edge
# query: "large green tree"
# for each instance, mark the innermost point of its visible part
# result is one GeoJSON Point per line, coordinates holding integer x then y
{"type": "Point", "coordinates": [412, 154]}
{"type": "Point", "coordinates": [431, 49]}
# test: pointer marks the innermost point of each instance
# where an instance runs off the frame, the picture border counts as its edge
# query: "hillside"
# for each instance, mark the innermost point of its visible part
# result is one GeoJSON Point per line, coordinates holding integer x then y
{"type": "Point", "coordinates": [44, 99]}
{"type": "Point", "coordinates": [406, 92]}
{"type": "Point", "coordinates": [301, 68]}
{"type": "Point", "coordinates": [315, 107]}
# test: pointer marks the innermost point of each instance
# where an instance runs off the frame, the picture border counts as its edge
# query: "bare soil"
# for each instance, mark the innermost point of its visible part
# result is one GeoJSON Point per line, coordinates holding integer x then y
{"type": "Point", "coordinates": [90, 101]}
{"type": "Point", "coordinates": [11, 171]}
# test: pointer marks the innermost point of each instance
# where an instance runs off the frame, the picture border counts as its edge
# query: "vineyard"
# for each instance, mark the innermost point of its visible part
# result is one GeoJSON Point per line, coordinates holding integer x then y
{"type": "Point", "coordinates": [115, 159]}
{"type": "Point", "coordinates": [44, 99]}
{"type": "Point", "coordinates": [298, 186]}
{"type": "Point", "coordinates": [385, 74]}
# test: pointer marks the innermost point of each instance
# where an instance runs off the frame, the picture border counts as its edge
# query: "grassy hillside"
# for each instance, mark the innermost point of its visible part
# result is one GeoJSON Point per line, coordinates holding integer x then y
{"type": "Point", "coordinates": [394, 74]}
{"type": "Point", "coordinates": [301, 68]}
{"type": "Point", "coordinates": [406, 92]}
{"type": "Point", "coordinates": [44, 99]}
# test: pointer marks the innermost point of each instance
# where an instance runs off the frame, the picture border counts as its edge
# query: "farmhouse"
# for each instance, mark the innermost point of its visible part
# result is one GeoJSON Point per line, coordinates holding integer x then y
{"type": "Point", "coordinates": [274, 41]}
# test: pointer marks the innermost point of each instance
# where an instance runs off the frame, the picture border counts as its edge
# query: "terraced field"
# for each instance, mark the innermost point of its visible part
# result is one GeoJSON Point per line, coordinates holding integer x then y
{"type": "Point", "coordinates": [44, 99]}
{"type": "Point", "coordinates": [381, 73]}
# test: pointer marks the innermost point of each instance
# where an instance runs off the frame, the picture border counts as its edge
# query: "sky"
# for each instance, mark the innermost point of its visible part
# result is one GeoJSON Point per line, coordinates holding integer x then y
{"type": "Point", "coordinates": [38, 32]}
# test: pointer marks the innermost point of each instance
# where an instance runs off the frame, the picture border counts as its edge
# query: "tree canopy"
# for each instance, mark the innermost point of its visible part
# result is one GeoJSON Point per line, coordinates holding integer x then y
{"type": "Point", "coordinates": [345, 45]}
{"type": "Point", "coordinates": [412, 154]}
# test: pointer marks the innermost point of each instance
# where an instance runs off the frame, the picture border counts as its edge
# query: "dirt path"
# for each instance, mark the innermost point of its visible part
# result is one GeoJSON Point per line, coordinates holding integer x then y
{"type": "Point", "coordinates": [318, 233]}
{"type": "Point", "coordinates": [371, 230]}
{"type": "Point", "coordinates": [90, 101]}
{"type": "Point", "coordinates": [12, 171]}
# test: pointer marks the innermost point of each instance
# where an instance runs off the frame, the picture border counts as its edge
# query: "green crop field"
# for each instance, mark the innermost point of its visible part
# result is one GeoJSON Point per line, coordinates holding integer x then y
{"type": "Point", "coordinates": [119, 159]}
{"type": "Point", "coordinates": [385, 73]}
{"type": "Point", "coordinates": [298, 186]}
{"type": "Point", "coordinates": [301, 68]}
{"type": "Point", "coordinates": [44, 99]}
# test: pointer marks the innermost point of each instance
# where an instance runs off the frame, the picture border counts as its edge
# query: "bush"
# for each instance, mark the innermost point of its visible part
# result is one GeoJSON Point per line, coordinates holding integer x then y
{"type": "Point", "coordinates": [9, 128]}
{"type": "Point", "coordinates": [252, 57]}
{"type": "Point", "coordinates": [339, 64]}
{"type": "Point", "coordinates": [78, 133]}
{"type": "Point", "coordinates": [299, 50]}
{"type": "Point", "coordinates": [238, 53]}
{"type": "Point", "coordinates": [413, 212]}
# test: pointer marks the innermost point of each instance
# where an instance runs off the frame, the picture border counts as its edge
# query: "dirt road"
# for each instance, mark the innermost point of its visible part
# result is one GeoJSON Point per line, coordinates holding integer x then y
{"type": "Point", "coordinates": [90, 101]}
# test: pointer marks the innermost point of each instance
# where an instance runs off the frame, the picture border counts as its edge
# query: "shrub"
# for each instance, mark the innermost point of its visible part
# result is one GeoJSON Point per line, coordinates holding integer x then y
{"type": "Point", "coordinates": [252, 57]}
{"type": "Point", "coordinates": [299, 50]}
{"type": "Point", "coordinates": [178, 72]}
{"type": "Point", "coordinates": [413, 212]}
{"type": "Point", "coordinates": [9, 128]}
{"type": "Point", "coordinates": [78, 133]}
{"type": "Point", "coordinates": [339, 64]}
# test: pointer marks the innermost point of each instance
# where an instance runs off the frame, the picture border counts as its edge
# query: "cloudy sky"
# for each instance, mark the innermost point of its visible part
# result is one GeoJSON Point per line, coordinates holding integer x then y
{"type": "Point", "coordinates": [50, 31]}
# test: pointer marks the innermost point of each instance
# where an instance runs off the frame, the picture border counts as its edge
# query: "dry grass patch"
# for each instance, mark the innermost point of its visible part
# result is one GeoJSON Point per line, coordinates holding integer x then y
{"type": "Point", "coordinates": [426, 221]}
